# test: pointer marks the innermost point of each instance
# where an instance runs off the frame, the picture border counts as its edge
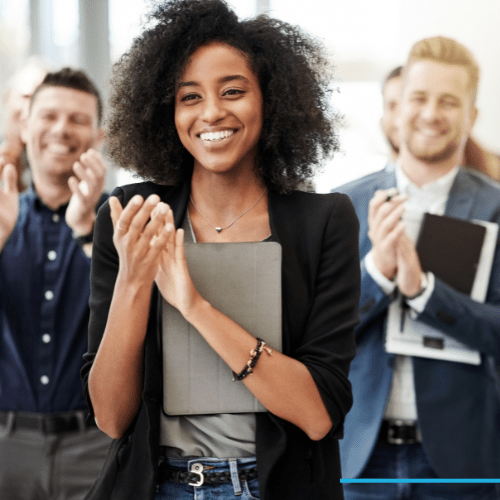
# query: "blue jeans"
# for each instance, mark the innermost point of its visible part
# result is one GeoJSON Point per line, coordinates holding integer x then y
{"type": "Point", "coordinates": [231, 490]}
{"type": "Point", "coordinates": [409, 461]}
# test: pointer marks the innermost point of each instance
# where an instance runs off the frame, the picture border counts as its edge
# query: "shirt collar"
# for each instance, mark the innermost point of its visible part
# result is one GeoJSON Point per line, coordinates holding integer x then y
{"type": "Point", "coordinates": [437, 188]}
{"type": "Point", "coordinates": [37, 202]}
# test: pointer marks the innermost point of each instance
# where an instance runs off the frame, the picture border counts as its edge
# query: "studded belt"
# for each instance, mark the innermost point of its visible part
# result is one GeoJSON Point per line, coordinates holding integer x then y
{"type": "Point", "coordinates": [196, 476]}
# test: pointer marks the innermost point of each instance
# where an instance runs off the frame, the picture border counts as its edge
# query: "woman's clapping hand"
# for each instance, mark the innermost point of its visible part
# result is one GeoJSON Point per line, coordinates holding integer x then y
{"type": "Point", "coordinates": [139, 235]}
{"type": "Point", "coordinates": [173, 277]}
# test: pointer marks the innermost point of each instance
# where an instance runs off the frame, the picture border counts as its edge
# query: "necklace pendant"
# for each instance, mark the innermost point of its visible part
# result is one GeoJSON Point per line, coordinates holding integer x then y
{"type": "Point", "coordinates": [219, 229]}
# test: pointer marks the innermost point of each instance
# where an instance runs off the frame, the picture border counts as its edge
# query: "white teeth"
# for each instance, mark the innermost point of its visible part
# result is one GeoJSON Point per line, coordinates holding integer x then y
{"type": "Point", "coordinates": [216, 136]}
{"type": "Point", "coordinates": [430, 133]}
{"type": "Point", "coordinates": [59, 149]}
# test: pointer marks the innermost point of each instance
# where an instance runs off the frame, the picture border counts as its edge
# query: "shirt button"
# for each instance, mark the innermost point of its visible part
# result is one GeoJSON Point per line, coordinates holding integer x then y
{"type": "Point", "coordinates": [46, 338]}
{"type": "Point", "coordinates": [56, 217]}
{"type": "Point", "coordinates": [49, 294]}
{"type": "Point", "coordinates": [52, 255]}
{"type": "Point", "coordinates": [44, 379]}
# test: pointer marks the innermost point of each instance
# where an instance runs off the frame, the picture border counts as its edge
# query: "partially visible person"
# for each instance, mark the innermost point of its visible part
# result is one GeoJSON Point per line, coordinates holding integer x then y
{"type": "Point", "coordinates": [416, 417]}
{"type": "Point", "coordinates": [229, 118]}
{"type": "Point", "coordinates": [16, 104]}
{"type": "Point", "coordinates": [48, 449]}
{"type": "Point", "coordinates": [391, 98]}
{"type": "Point", "coordinates": [475, 156]}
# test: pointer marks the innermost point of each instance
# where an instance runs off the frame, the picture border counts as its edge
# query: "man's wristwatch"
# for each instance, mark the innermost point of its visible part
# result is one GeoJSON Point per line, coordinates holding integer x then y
{"type": "Point", "coordinates": [423, 287]}
{"type": "Point", "coordinates": [84, 239]}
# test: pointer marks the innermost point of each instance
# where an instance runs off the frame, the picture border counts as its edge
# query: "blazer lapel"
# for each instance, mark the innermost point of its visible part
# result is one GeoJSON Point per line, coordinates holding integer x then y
{"type": "Point", "coordinates": [385, 180]}
{"type": "Point", "coordinates": [460, 200]}
{"type": "Point", "coordinates": [177, 197]}
{"type": "Point", "coordinates": [462, 196]}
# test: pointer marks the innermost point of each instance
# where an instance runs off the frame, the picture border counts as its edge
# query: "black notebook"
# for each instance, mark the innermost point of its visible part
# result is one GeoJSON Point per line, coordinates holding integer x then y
{"type": "Point", "coordinates": [461, 254]}
{"type": "Point", "coordinates": [451, 248]}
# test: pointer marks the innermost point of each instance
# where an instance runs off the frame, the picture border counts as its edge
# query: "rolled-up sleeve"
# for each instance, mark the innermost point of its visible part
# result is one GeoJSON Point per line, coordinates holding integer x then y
{"type": "Point", "coordinates": [328, 345]}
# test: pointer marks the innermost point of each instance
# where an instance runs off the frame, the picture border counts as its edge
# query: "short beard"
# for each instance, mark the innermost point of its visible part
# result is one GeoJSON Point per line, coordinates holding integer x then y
{"type": "Point", "coordinates": [395, 149]}
{"type": "Point", "coordinates": [438, 157]}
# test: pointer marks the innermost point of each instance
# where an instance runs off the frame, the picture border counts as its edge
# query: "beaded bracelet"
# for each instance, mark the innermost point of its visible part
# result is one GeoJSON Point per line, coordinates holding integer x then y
{"type": "Point", "coordinates": [254, 357]}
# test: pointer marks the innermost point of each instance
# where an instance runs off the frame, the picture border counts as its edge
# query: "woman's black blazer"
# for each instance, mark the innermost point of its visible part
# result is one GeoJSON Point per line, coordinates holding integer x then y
{"type": "Point", "coordinates": [320, 292]}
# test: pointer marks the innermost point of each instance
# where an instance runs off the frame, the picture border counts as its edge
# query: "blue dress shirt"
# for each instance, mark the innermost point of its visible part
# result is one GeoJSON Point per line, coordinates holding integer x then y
{"type": "Point", "coordinates": [44, 292]}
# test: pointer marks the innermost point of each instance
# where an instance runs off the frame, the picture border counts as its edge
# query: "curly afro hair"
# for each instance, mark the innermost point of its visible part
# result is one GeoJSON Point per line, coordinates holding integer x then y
{"type": "Point", "coordinates": [299, 125]}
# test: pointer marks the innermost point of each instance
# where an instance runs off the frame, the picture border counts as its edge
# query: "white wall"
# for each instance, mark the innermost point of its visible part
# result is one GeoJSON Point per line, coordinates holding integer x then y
{"type": "Point", "coordinates": [367, 38]}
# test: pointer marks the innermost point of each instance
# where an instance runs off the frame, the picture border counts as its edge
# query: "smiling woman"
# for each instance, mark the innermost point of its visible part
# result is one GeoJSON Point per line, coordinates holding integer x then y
{"type": "Point", "coordinates": [218, 110]}
{"type": "Point", "coordinates": [293, 74]}
{"type": "Point", "coordinates": [228, 117]}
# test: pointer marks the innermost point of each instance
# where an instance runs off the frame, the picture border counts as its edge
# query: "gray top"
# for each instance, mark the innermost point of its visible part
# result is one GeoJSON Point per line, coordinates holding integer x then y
{"type": "Point", "coordinates": [227, 435]}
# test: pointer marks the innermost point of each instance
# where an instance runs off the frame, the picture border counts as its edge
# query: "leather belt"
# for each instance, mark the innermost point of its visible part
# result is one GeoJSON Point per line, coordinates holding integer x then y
{"type": "Point", "coordinates": [197, 477]}
{"type": "Point", "coordinates": [48, 423]}
{"type": "Point", "coordinates": [400, 432]}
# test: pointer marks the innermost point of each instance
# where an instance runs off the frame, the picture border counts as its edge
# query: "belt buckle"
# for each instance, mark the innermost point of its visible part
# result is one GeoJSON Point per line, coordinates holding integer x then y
{"type": "Point", "coordinates": [391, 431]}
{"type": "Point", "coordinates": [197, 469]}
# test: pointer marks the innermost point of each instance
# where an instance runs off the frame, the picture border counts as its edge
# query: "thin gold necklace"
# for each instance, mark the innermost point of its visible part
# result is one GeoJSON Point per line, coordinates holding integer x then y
{"type": "Point", "coordinates": [219, 229]}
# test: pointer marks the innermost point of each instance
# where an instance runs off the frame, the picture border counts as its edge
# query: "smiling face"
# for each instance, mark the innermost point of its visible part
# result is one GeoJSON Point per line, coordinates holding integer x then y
{"type": "Point", "coordinates": [218, 110]}
{"type": "Point", "coordinates": [437, 112]}
{"type": "Point", "coordinates": [62, 125]}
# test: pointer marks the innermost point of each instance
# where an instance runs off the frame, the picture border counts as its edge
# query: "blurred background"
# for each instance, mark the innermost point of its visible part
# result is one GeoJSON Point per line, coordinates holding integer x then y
{"type": "Point", "coordinates": [365, 39]}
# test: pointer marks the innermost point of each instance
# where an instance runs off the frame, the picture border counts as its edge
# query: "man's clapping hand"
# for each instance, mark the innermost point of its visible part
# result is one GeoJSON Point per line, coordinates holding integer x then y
{"type": "Point", "coordinates": [9, 203]}
{"type": "Point", "coordinates": [87, 186]}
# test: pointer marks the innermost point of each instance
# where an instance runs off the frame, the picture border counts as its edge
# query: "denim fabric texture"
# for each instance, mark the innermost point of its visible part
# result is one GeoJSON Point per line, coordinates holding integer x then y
{"type": "Point", "coordinates": [409, 461]}
{"type": "Point", "coordinates": [230, 490]}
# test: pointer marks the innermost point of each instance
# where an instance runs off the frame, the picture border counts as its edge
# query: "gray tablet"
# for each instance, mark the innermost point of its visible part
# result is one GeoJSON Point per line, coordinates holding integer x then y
{"type": "Point", "coordinates": [242, 280]}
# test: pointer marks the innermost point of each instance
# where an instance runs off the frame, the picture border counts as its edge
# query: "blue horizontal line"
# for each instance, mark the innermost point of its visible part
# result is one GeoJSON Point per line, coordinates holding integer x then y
{"type": "Point", "coordinates": [469, 481]}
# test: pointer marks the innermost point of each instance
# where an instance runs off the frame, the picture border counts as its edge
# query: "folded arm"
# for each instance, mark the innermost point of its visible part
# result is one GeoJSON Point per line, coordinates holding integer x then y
{"type": "Point", "coordinates": [284, 385]}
